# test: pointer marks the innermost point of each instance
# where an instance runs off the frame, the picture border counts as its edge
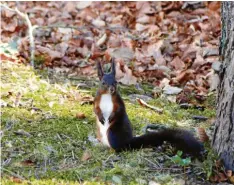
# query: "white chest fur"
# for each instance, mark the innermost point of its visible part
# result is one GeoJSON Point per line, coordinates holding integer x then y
{"type": "Point", "coordinates": [106, 106]}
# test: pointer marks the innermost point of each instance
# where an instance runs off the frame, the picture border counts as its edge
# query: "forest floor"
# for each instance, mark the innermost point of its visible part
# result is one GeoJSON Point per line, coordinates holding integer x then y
{"type": "Point", "coordinates": [48, 131]}
{"type": "Point", "coordinates": [47, 120]}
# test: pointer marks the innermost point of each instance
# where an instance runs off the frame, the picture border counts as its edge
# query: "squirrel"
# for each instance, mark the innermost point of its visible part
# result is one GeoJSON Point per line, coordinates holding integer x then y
{"type": "Point", "coordinates": [114, 128]}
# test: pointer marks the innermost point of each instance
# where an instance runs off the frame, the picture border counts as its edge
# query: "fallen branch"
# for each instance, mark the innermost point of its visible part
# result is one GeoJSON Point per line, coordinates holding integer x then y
{"type": "Point", "coordinates": [144, 104]}
{"type": "Point", "coordinates": [30, 31]}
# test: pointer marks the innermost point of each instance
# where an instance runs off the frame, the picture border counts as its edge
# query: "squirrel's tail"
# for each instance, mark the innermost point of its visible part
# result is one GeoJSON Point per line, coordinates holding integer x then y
{"type": "Point", "coordinates": [183, 140]}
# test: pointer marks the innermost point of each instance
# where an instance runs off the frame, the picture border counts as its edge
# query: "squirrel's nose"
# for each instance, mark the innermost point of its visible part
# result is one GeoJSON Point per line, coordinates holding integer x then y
{"type": "Point", "coordinates": [111, 89]}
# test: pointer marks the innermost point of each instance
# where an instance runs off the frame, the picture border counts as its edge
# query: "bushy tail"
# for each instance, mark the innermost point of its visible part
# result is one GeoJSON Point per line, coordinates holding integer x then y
{"type": "Point", "coordinates": [181, 139]}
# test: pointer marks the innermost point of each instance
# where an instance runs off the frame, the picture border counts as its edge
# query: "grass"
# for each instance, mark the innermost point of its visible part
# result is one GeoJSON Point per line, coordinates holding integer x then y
{"type": "Point", "coordinates": [44, 142]}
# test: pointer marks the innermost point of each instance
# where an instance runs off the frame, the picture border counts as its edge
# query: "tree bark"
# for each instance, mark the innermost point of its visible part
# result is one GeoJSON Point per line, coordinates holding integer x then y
{"type": "Point", "coordinates": [223, 138]}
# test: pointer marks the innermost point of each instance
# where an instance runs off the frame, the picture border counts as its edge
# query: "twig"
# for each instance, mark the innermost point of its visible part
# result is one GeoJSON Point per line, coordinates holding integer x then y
{"type": "Point", "coordinates": [30, 31]}
{"type": "Point", "coordinates": [160, 167]}
{"type": "Point", "coordinates": [144, 104]}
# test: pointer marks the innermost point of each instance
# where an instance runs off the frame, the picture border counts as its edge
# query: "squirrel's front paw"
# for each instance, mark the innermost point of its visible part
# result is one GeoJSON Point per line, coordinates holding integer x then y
{"type": "Point", "coordinates": [101, 119]}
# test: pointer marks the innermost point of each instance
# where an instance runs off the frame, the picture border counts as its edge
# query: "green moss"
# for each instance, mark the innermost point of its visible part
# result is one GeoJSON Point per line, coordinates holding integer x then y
{"type": "Point", "coordinates": [39, 59]}
{"type": "Point", "coordinates": [57, 139]}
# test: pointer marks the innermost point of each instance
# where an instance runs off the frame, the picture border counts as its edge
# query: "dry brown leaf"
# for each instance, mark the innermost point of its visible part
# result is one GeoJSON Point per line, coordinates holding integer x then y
{"type": "Point", "coordinates": [53, 54]}
{"type": "Point", "coordinates": [183, 77]}
{"type": "Point", "coordinates": [80, 115]}
{"type": "Point", "coordinates": [114, 42]}
{"type": "Point", "coordinates": [98, 23]}
{"type": "Point", "coordinates": [140, 27]}
{"type": "Point", "coordinates": [16, 180]}
{"type": "Point", "coordinates": [144, 8]}
{"type": "Point", "coordinates": [62, 47]}
{"type": "Point", "coordinates": [86, 156]}
{"type": "Point", "coordinates": [153, 29]}
{"type": "Point", "coordinates": [102, 40]}
{"type": "Point", "coordinates": [222, 177]}
{"type": "Point", "coordinates": [10, 25]}
{"type": "Point", "coordinates": [214, 6]}
{"type": "Point", "coordinates": [52, 20]}
{"type": "Point", "coordinates": [214, 178]}
{"type": "Point", "coordinates": [136, 26]}
{"type": "Point", "coordinates": [122, 53]}
{"type": "Point", "coordinates": [8, 13]}
{"type": "Point", "coordinates": [177, 63]}
{"type": "Point", "coordinates": [88, 14]}
{"type": "Point", "coordinates": [70, 7]}
{"type": "Point", "coordinates": [86, 100]}
{"type": "Point", "coordinates": [83, 4]}
{"type": "Point", "coordinates": [28, 163]}
{"type": "Point", "coordinates": [143, 20]}
{"type": "Point", "coordinates": [7, 57]}
{"type": "Point", "coordinates": [125, 77]}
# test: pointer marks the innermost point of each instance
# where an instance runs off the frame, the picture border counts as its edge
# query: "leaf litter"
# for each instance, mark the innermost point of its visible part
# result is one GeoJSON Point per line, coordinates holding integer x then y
{"type": "Point", "coordinates": [150, 40]}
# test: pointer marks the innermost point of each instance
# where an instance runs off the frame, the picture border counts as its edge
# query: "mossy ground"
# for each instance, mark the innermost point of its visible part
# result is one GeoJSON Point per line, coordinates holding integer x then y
{"type": "Point", "coordinates": [44, 142]}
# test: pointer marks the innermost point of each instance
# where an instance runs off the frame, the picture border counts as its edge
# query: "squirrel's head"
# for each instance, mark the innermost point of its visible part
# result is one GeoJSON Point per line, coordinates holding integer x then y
{"type": "Point", "coordinates": [108, 84]}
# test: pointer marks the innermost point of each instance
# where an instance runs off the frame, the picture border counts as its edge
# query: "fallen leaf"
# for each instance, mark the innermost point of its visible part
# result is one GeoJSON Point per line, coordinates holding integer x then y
{"type": "Point", "coordinates": [16, 180]}
{"type": "Point", "coordinates": [171, 90]}
{"type": "Point", "coordinates": [183, 77]}
{"type": "Point", "coordinates": [80, 115]}
{"type": "Point", "coordinates": [86, 100]}
{"type": "Point", "coordinates": [153, 183]}
{"type": "Point", "coordinates": [216, 66]}
{"type": "Point", "coordinates": [102, 40]}
{"type": "Point", "coordinates": [222, 177]}
{"type": "Point", "coordinates": [83, 4]}
{"type": "Point", "coordinates": [122, 53]}
{"type": "Point", "coordinates": [210, 52]}
{"type": "Point", "coordinates": [127, 78]}
{"type": "Point", "coordinates": [140, 27]}
{"type": "Point", "coordinates": [98, 23]}
{"type": "Point", "coordinates": [214, 178]}
{"type": "Point", "coordinates": [28, 163]}
{"type": "Point", "coordinates": [86, 156]}
{"type": "Point", "coordinates": [8, 13]}
{"type": "Point", "coordinates": [53, 54]}
{"type": "Point", "coordinates": [143, 20]}
{"type": "Point", "coordinates": [70, 7]}
{"type": "Point", "coordinates": [144, 8]}
{"type": "Point", "coordinates": [177, 63]}
{"type": "Point", "coordinates": [10, 26]}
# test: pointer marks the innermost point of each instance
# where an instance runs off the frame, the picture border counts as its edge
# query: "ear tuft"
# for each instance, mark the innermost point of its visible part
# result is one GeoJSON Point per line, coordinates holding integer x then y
{"type": "Point", "coordinates": [113, 66]}
{"type": "Point", "coordinates": [100, 71]}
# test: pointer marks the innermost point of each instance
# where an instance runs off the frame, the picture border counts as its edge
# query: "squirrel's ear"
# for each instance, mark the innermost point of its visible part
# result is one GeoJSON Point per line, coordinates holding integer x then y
{"type": "Point", "coordinates": [100, 71]}
{"type": "Point", "coordinates": [113, 66]}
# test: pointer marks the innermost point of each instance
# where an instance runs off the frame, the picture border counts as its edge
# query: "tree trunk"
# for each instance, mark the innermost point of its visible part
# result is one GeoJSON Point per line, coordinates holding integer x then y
{"type": "Point", "coordinates": [223, 138]}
